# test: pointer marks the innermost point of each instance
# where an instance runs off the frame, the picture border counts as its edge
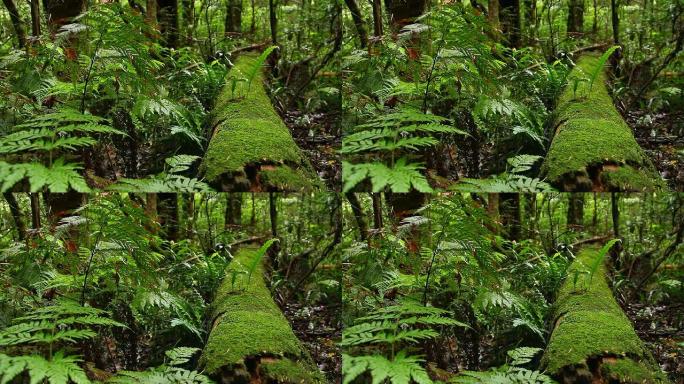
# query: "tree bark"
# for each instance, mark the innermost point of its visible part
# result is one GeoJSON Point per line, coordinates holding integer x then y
{"type": "Point", "coordinates": [575, 217]}
{"type": "Point", "coordinates": [60, 12]}
{"type": "Point", "coordinates": [358, 22]}
{"type": "Point", "coordinates": [615, 21]}
{"type": "Point", "coordinates": [151, 14]}
{"type": "Point", "coordinates": [509, 209]}
{"type": "Point", "coordinates": [510, 22]}
{"type": "Point", "coordinates": [15, 210]}
{"type": "Point", "coordinates": [377, 18]}
{"type": "Point", "coordinates": [233, 214]}
{"type": "Point", "coordinates": [359, 215]}
{"type": "Point", "coordinates": [273, 21]}
{"type": "Point", "coordinates": [35, 211]}
{"type": "Point", "coordinates": [16, 22]}
{"type": "Point", "coordinates": [35, 18]}
{"type": "Point", "coordinates": [404, 12]}
{"type": "Point", "coordinates": [189, 215]}
{"type": "Point", "coordinates": [167, 207]}
{"type": "Point", "coordinates": [575, 18]}
{"type": "Point", "coordinates": [377, 210]}
{"type": "Point", "coordinates": [189, 17]}
{"type": "Point", "coordinates": [168, 22]}
{"type": "Point", "coordinates": [233, 17]}
{"type": "Point", "coordinates": [273, 213]}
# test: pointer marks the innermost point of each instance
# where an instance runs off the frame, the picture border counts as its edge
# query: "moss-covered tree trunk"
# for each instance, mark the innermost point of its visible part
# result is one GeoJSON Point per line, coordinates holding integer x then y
{"type": "Point", "coordinates": [250, 341]}
{"type": "Point", "coordinates": [251, 149]}
{"type": "Point", "coordinates": [593, 149]}
{"type": "Point", "coordinates": [592, 340]}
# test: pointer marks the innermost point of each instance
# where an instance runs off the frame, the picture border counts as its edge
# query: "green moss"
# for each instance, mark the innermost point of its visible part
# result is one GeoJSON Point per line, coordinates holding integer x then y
{"type": "Point", "coordinates": [247, 322]}
{"type": "Point", "coordinates": [284, 177]}
{"type": "Point", "coordinates": [628, 371]}
{"type": "Point", "coordinates": [249, 132]}
{"type": "Point", "coordinates": [589, 323]}
{"type": "Point", "coordinates": [590, 132]}
{"type": "Point", "coordinates": [288, 371]}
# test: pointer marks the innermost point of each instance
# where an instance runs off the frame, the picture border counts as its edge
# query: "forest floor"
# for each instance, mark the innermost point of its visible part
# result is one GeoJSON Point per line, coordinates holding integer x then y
{"type": "Point", "coordinates": [320, 329]}
{"type": "Point", "coordinates": [661, 327]}
{"type": "Point", "coordinates": [661, 136]}
{"type": "Point", "coordinates": [318, 136]}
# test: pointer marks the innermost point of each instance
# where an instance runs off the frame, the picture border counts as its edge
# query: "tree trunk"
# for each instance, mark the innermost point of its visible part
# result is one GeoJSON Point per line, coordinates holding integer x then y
{"type": "Point", "coordinates": [61, 206]}
{"type": "Point", "coordinates": [510, 22]}
{"type": "Point", "coordinates": [60, 12]}
{"type": "Point", "coordinates": [15, 210]}
{"type": "Point", "coordinates": [575, 218]}
{"type": "Point", "coordinates": [590, 324]}
{"type": "Point", "coordinates": [16, 22]}
{"type": "Point", "coordinates": [509, 209]}
{"type": "Point", "coordinates": [35, 18]}
{"type": "Point", "coordinates": [377, 18]}
{"type": "Point", "coordinates": [233, 17]}
{"type": "Point", "coordinates": [358, 22]}
{"type": "Point", "coordinates": [615, 214]}
{"type": "Point", "coordinates": [167, 207]}
{"type": "Point", "coordinates": [493, 16]}
{"type": "Point", "coordinates": [151, 212]}
{"type": "Point", "coordinates": [615, 162]}
{"type": "Point", "coordinates": [233, 214]}
{"type": "Point", "coordinates": [594, 25]}
{"type": "Point", "coordinates": [244, 306]}
{"type": "Point", "coordinates": [359, 215]}
{"type": "Point", "coordinates": [273, 213]}
{"type": "Point", "coordinates": [377, 210]}
{"type": "Point", "coordinates": [404, 12]}
{"type": "Point", "coordinates": [575, 18]}
{"type": "Point", "coordinates": [189, 215]}
{"type": "Point", "coordinates": [530, 20]}
{"type": "Point", "coordinates": [273, 21]}
{"type": "Point", "coordinates": [151, 14]}
{"type": "Point", "coordinates": [404, 205]}
{"type": "Point", "coordinates": [615, 21]}
{"type": "Point", "coordinates": [189, 17]}
{"type": "Point", "coordinates": [35, 211]}
{"type": "Point", "coordinates": [168, 22]}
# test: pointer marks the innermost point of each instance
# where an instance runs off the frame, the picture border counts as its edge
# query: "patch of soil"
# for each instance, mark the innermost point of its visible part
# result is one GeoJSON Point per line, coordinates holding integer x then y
{"type": "Point", "coordinates": [661, 135]}
{"type": "Point", "coordinates": [661, 327]}
{"type": "Point", "coordinates": [320, 330]}
{"type": "Point", "coordinates": [317, 134]}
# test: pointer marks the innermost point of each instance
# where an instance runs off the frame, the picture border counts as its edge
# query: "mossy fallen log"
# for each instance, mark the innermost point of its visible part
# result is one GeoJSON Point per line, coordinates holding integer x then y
{"type": "Point", "coordinates": [250, 147]}
{"type": "Point", "coordinates": [593, 149]}
{"type": "Point", "coordinates": [250, 340]}
{"type": "Point", "coordinates": [593, 341]}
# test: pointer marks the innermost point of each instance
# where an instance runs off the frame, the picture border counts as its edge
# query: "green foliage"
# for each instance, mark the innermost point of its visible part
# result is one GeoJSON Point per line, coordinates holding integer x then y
{"type": "Point", "coordinates": [600, 65]}
{"type": "Point", "coordinates": [401, 369]}
{"type": "Point", "coordinates": [258, 63]}
{"type": "Point", "coordinates": [600, 258]}
{"type": "Point", "coordinates": [59, 369]}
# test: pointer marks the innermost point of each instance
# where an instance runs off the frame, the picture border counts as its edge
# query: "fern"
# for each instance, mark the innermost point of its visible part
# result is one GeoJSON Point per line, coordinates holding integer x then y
{"type": "Point", "coordinates": [400, 178]}
{"type": "Point", "coordinates": [57, 178]}
{"type": "Point", "coordinates": [601, 63]}
{"type": "Point", "coordinates": [600, 257]}
{"type": "Point", "coordinates": [522, 355]}
{"type": "Point", "coordinates": [257, 65]}
{"type": "Point", "coordinates": [402, 369]}
{"type": "Point", "coordinates": [181, 355]}
{"type": "Point", "coordinates": [59, 369]}
{"type": "Point", "coordinates": [258, 256]}
{"type": "Point", "coordinates": [160, 375]}
{"type": "Point", "coordinates": [505, 182]}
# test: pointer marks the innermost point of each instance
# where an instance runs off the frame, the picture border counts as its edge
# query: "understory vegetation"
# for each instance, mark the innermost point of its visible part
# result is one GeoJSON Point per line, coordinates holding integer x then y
{"type": "Point", "coordinates": [121, 96]}
{"type": "Point", "coordinates": [468, 289]}
{"type": "Point", "coordinates": [464, 95]}
{"type": "Point", "coordinates": [127, 288]}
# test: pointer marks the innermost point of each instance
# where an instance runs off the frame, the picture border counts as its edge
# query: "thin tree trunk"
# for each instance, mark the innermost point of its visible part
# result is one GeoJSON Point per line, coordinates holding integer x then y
{"type": "Point", "coordinates": [16, 22]}
{"type": "Point", "coordinates": [233, 214]}
{"type": "Point", "coordinates": [151, 14]}
{"type": "Point", "coordinates": [15, 210]}
{"type": "Point", "coordinates": [189, 215]}
{"type": "Point", "coordinates": [377, 210]}
{"type": "Point", "coordinates": [358, 22]}
{"type": "Point", "coordinates": [35, 211]}
{"type": "Point", "coordinates": [575, 217]}
{"type": "Point", "coordinates": [167, 206]}
{"type": "Point", "coordinates": [272, 208]}
{"type": "Point", "coordinates": [35, 18]}
{"type": "Point", "coordinates": [575, 18]}
{"type": "Point", "coordinates": [189, 17]}
{"type": "Point", "coordinates": [509, 209]}
{"type": "Point", "coordinates": [273, 21]}
{"type": "Point", "coordinates": [167, 16]}
{"type": "Point", "coordinates": [233, 17]}
{"type": "Point", "coordinates": [359, 216]}
{"type": "Point", "coordinates": [594, 26]}
{"type": "Point", "coordinates": [510, 22]}
{"type": "Point", "coordinates": [151, 211]}
{"type": "Point", "coordinates": [615, 21]}
{"type": "Point", "coordinates": [377, 18]}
